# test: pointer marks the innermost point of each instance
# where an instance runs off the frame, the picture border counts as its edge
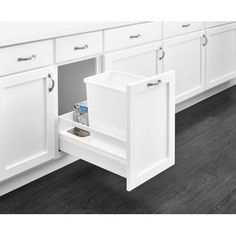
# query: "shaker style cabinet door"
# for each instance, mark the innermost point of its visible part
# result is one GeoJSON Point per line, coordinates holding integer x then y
{"type": "Point", "coordinates": [151, 138]}
{"type": "Point", "coordinates": [143, 60]}
{"type": "Point", "coordinates": [27, 120]}
{"type": "Point", "coordinates": [186, 55]}
{"type": "Point", "coordinates": [220, 55]}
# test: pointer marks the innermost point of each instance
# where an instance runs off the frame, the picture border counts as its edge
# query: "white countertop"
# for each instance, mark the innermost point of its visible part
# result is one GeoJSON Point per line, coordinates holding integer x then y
{"type": "Point", "coordinates": [22, 32]}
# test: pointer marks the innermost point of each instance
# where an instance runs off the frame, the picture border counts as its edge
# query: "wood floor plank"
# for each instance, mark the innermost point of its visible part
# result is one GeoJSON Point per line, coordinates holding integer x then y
{"type": "Point", "coordinates": [202, 181]}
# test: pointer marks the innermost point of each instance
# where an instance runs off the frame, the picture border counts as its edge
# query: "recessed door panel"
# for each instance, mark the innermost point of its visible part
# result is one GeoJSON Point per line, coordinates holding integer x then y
{"type": "Point", "coordinates": [28, 121]}
{"type": "Point", "coordinates": [185, 55]}
{"type": "Point", "coordinates": [142, 60]}
{"type": "Point", "coordinates": [151, 133]}
{"type": "Point", "coordinates": [220, 55]}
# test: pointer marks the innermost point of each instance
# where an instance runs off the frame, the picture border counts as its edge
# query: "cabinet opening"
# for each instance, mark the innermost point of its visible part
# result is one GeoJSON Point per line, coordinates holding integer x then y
{"type": "Point", "coordinates": [71, 86]}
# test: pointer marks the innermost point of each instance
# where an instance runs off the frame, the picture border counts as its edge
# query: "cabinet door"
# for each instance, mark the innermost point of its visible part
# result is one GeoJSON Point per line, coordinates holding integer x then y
{"type": "Point", "coordinates": [142, 60]}
{"type": "Point", "coordinates": [186, 55]}
{"type": "Point", "coordinates": [27, 121]}
{"type": "Point", "coordinates": [220, 55]}
{"type": "Point", "coordinates": [151, 128]}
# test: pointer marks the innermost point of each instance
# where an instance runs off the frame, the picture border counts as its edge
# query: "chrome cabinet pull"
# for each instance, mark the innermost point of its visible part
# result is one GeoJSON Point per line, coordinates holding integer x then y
{"type": "Point", "coordinates": [154, 84]}
{"type": "Point", "coordinates": [186, 26]}
{"type": "Point", "coordinates": [135, 36]}
{"type": "Point", "coordinates": [53, 82]}
{"type": "Point", "coordinates": [206, 40]}
{"type": "Point", "coordinates": [32, 57]}
{"type": "Point", "coordinates": [81, 48]}
{"type": "Point", "coordinates": [163, 53]}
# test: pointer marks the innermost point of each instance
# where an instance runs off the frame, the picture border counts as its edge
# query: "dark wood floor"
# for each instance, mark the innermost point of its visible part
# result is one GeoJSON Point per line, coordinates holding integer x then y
{"type": "Point", "coordinates": [202, 181]}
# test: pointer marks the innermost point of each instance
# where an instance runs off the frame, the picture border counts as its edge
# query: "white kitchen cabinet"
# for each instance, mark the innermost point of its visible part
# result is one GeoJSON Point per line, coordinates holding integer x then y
{"type": "Point", "coordinates": [27, 120]}
{"type": "Point", "coordinates": [144, 60]}
{"type": "Point", "coordinates": [186, 55]}
{"type": "Point", "coordinates": [220, 55]}
{"type": "Point", "coordinates": [147, 149]}
{"type": "Point", "coordinates": [28, 110]}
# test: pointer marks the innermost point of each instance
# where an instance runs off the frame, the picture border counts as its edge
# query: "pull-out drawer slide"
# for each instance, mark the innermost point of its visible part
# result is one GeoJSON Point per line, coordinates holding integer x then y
{"type": "Point", "coordinates": [148, 148]}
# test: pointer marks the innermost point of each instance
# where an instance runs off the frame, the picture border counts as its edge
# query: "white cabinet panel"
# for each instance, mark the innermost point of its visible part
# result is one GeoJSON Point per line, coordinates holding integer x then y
{"type": "Point", "coordinates": [151, 138]}
{"type": "Point", "coordinates": [186, 55]}
{"type": "Point", "coordinates": [27, 123]}
{"type": "Point", "coordinates": [220, 55]}
{"type": "Point", "coordinates": [142, 60]}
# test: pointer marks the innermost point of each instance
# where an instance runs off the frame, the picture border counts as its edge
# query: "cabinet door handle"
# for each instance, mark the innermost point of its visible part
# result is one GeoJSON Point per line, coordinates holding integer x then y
{"type": "Point", "coordinates": [135, 36]}
{"type": "Point", "coordinates": [53, 82]}
{"type": "Point", "coordinates": [163, 53]}
{"type": "Point", "coordinates": [206, 40]}
{"type": "Point", "coordinates": [186, 26]}
{"type": "Point", "coordinates": [32, 57]}
{"type": "Point", "coordinates": [154, 84]}
{"type": "Point", "coordinates": [81, 48]}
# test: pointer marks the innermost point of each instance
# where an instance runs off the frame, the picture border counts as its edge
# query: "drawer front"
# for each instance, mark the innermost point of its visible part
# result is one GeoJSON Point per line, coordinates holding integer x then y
{"type": "Point", "coordinates": [171, 29]}
{"type": "Point", "coordinates": [25, 57]}
{"type": "Point", "coordinates": [132, 35]}
{"type": "Point", "coordinates": [73, 47]}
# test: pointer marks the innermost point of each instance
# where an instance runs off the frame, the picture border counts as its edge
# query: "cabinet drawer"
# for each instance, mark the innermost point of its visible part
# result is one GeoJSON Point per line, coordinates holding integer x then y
{"type": "Point", "coordinates": [132, 35]}
{"type": "Point", "coordinates": [171, 29]}
{"type": "Point", "coordinates": [124, 154]}
{"type": "Point", "coordinates": [25, 57]}
{"type": "Point", "coordinates": [73, 47]}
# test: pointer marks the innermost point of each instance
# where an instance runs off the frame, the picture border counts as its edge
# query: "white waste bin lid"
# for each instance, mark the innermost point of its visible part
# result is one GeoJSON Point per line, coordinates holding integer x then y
{"type": "Point", "coordinates": [113, 80]}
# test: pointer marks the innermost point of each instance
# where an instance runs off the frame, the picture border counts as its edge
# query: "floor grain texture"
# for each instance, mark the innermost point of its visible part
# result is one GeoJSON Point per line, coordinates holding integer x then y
{"type": "Point", "coordinates": [202, 181]}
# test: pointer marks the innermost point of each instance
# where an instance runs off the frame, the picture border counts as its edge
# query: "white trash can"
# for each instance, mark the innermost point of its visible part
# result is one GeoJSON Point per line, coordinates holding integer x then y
{"type": "Point", "coordinates": [106, 97]}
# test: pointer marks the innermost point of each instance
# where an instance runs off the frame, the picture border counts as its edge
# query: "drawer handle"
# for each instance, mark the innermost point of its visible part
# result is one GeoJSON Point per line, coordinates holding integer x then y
{"type": "Point", "coordinates": [81, 48]}
{"type": "Point", "coordinates": [154, 84]}
{"type": "Point", "coordinates": [163, 53]}
{"type": "Point", "coordinates": [32, 57]}
{"type": "Point", "coordinates": [186, 26]}
{"type": "Point", "coordinates": [206, 40]}
{"type": "Point", "coordinates": [135, 36]}
{"type": "Point", "coordinates": [53, 83]}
